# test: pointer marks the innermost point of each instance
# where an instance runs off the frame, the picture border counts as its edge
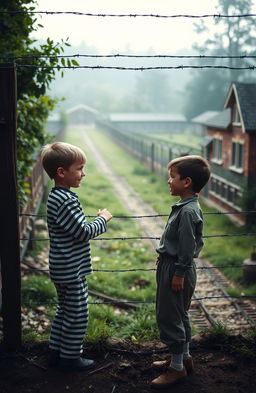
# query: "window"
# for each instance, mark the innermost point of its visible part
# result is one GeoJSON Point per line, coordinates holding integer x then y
{"type": "Point", "coordinates": [217, 150]}
{"type": "Point", "coordinates": [225, 191]}
{"type": "Point", "coordinates": [231, 195]}
{"type": "Point", "coordinates": [237, 155]}
{"type": "Point", "coordinates": [236, 115]}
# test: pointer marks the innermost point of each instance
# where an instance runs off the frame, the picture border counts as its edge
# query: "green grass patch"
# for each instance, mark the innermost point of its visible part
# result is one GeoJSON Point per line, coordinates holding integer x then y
{"type": "Point", "coordinates": [38, 289]}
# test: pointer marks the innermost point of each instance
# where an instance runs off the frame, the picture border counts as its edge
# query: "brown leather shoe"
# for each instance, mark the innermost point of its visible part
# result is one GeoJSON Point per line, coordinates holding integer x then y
{"type": "Point", "coordinates": [163, 364]}
{"type": "Point", "coordinates": [170, 377]}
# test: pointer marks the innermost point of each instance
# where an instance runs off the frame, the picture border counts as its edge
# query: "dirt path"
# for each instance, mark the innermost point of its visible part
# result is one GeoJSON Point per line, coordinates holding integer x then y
{"type": "Point", "coordinates": [131, 200]}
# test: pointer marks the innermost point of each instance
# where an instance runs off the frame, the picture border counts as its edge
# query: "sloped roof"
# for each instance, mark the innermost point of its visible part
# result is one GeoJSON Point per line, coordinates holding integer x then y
{"type": "Point", "coordinates": [221, 120]}
{"type": "Point", "coordinates": [204, 117]}
{"type": "Point", "coordinates": [150, 117]}
{"type": "Point", "coordinates": [245, 94]}
{"type": "Point", "coordinates": [83, 107]}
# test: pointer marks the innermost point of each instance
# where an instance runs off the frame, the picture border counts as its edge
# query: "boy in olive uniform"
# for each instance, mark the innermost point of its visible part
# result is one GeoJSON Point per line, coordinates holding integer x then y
{"type": "Point", "coordinates": [180, 243]}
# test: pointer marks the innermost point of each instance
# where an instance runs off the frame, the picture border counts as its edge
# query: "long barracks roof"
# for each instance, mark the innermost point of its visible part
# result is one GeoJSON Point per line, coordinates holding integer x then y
{"type": "Point", "coordinates": [146, 117]}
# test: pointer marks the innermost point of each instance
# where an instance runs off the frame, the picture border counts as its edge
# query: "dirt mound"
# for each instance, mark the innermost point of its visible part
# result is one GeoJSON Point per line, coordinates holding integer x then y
{"type": "Point", "coordinates": [224, 364]}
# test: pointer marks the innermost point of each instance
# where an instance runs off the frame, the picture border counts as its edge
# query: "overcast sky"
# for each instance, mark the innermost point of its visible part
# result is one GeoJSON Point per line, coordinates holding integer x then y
{"type": "Point", "coordinates": [115, 35]}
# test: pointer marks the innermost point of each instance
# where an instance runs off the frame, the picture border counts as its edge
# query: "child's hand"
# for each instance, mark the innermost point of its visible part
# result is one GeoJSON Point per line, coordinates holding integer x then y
{"type": "Point", "coordinates": [177, 283]}
{"type": "Point", "coordinates": [105, 213]}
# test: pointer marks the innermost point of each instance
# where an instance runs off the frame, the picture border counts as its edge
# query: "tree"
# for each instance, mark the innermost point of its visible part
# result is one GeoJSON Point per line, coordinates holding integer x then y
{"type": "Point", "coordinates": [16, 25]}
{"type": "Point", "coordinates": [233, 37]}
{"type": "Point", "coordinates": [152, 92]}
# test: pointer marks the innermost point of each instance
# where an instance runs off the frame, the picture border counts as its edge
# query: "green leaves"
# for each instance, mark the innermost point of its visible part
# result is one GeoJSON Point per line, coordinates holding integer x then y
{"type": "Point", "coordinates": [32, 82]}
{"type": "Point", "coordinates": [32, 114]}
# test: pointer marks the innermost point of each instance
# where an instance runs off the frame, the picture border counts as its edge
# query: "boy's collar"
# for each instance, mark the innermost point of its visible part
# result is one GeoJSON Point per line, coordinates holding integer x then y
{"type": "Point", "coordinates": [182, 202]}
{"type": "Point", "coordinates": [64, 189]}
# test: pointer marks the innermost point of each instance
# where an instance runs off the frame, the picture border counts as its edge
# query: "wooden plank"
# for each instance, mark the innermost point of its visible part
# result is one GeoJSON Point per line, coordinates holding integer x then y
{"type": "Point", "coordinates": [119, 303]}
{"type": "Point", "coordinates": [9, 211]}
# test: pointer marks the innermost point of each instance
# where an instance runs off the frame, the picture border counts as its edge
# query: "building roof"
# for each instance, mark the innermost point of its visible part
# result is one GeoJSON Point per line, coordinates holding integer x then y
{"type": "Point", "coordinates": [221, 120]}
{"type": "Point", "coordinates": [83, 107]}
{"type": "Point", "coordinates": [204, 117]}
{"type": "Point", "coordinates": [207, 139]}
{"type": "Point", "coordinates": [142, 117]}
{"type": "Point", "coordinates": [245, 95]}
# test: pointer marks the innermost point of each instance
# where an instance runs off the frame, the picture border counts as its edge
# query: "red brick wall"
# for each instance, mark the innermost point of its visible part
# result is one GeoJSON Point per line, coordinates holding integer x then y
{"type": "Point", "coordinates": [252, 155]}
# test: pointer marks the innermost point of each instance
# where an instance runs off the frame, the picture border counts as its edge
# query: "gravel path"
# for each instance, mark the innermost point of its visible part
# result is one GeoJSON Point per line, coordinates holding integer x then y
{"type": "Point", "coordinates": [127, 195]}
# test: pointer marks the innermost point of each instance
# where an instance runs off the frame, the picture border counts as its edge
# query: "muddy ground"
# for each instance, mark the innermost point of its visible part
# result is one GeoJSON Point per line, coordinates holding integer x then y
{"type": "Point", "coordinates": [125, 367]}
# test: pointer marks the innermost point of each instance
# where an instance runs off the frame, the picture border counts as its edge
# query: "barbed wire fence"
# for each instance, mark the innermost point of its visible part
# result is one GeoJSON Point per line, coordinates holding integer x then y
{"type": "Point", "coordinates": [46, 271]}
{"type": "Point", "coordinates": [12, 335]}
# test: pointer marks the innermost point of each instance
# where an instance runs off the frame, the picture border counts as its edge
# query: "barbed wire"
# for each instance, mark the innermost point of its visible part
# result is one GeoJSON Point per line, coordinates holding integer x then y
{"type": "Point", "coordinates": [146, 301]}
{"type": "Point", "coordinates": [146, 237]}
{"type": "Point", "coordinates": [118, 55]}
{"type": "Point", "coordinates": [141, 269]}
{"type": "Point", "coordinates": [129, 15]}
{"type": "Point", "coordinates": [120, 68]}
{"type": "Point", "coordinates": [150, 215]}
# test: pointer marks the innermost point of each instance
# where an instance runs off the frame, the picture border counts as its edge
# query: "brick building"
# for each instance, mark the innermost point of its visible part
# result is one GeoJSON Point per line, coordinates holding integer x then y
{"type": "Point", "coordinates": [230, 146]}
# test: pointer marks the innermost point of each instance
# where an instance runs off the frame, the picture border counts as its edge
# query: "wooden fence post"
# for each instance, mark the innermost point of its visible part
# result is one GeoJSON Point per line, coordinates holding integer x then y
{"type": "Point", "coordinates": [153, 157]}
{"type": "Point", "coordinates": [9, 210]}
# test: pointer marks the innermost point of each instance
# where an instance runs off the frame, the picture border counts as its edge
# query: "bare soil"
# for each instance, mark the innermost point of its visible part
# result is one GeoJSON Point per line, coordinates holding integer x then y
{"type": "Point", "coordinates": [125, 367]}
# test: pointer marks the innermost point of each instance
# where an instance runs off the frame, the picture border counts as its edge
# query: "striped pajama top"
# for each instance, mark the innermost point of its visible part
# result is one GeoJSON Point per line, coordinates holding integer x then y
{"type": "Point", "coordinates": [69, 256]}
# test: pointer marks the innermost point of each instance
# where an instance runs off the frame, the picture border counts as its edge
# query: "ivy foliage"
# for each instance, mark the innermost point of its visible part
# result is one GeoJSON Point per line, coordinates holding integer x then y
{"type": "Point", "coordinates": [17, 24]}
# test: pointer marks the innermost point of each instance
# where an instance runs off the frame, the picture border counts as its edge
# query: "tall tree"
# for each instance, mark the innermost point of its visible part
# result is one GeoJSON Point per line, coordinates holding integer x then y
{"type": "Point", "coordinates": [234, 36]}
{"type": "Point", "coordinates": [17, 23]}
{"type": "Point", "coordinates": [152, 92]}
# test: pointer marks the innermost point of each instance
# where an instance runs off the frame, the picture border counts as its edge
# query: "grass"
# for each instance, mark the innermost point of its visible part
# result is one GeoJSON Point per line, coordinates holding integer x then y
{"type": "Point", "coordinates": [38, 289]}
{"type": "Point", "coordinates": [243, 347]}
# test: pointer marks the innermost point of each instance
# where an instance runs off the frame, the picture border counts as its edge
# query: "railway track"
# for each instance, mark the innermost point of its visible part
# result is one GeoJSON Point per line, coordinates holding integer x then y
{"type": "Point", "coordinates": [237, 315]}
{"type": "Point", "coordinates": [214, 305]}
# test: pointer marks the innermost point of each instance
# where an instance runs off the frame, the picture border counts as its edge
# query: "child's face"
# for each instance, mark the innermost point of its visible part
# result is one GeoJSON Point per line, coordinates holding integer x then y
{"type": "Point", "coordinates": [176, 184]}
{"type": "Point", "coordinates": [72, 176]}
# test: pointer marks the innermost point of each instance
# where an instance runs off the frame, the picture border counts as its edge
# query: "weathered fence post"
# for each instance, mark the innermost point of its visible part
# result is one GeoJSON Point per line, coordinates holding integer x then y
{"type": "Point", "coordinates": [9, 211]}
{"type": "Point", "coordinates": [153, 157]}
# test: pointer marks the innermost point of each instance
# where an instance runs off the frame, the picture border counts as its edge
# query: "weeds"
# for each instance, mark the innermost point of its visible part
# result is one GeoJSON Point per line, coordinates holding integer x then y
{"type": "Point", "coordinates": [38, 289]}
{"type": "Point", "coordinates": [219, 329]}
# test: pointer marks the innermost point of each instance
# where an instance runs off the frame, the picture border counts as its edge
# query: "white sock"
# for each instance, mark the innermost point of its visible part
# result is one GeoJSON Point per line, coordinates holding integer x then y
{"type": "Point", "coordinates": [186, 352]}
{"type": "Point", "coordinates": [177, 361]}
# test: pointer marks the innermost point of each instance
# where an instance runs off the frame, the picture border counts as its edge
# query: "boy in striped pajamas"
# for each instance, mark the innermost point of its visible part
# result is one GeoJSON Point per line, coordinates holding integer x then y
{"type": "Point", "coordinates": [69, 256]}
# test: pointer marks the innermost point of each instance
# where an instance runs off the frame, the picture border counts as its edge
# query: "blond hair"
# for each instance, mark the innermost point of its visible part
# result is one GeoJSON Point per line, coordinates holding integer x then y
{"type": "Point", "coordinates": [60, 154]}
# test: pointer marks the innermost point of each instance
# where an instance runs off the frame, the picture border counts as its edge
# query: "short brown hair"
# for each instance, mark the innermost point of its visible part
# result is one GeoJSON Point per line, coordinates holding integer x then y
{"type": "Point", "coordinates": [195, 167]}
{"type": "Point", "coordinates": [60, 154]}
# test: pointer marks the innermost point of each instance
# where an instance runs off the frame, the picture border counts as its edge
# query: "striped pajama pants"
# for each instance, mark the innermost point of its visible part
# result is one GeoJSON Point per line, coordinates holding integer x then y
{"type": "Point", "coordinates": [71, 319]}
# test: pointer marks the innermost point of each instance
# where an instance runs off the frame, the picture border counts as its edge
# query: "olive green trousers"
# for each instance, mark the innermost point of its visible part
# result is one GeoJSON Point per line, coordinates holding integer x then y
{"type": "Point", "coordinates": [172, 307]}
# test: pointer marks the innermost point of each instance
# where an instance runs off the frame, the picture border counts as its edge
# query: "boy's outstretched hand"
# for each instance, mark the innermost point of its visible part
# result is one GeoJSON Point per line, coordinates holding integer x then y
{"type": "Point", "coordinates": [105, 213]}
